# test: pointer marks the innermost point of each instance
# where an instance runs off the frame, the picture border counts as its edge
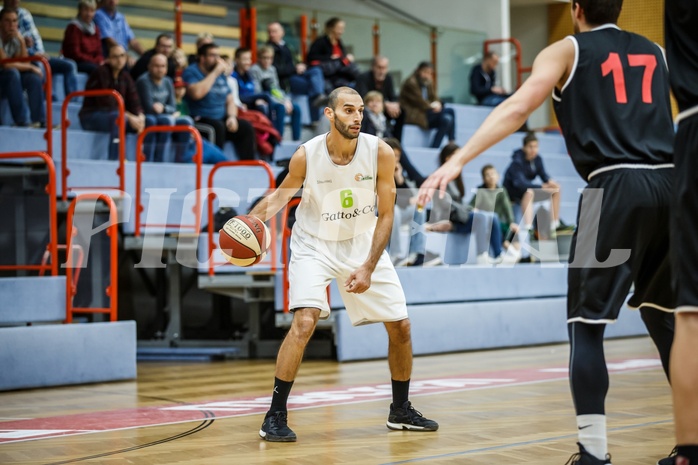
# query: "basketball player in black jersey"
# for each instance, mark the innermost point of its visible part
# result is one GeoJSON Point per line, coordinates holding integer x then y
{"type": "Point", "coordinates": [682, 55]}
{"type": "Point", "coordinates": [611, 97]}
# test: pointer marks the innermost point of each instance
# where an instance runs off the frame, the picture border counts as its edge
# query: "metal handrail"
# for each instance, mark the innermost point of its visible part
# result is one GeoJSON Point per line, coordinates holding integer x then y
{"type": "Point", "coordinates": [113, 287]}
{"type": "Point", "coordinates": [212, 196]}
{"type": "Point", "coordinates": [120, 121]}
{"type": "Point", "coordinates": [519, 69]}
{"type": "Point", "coordinates": [53, 217]}
{"type": "Point", "coordinates": [198, 159]}
{"type": "Point", "coordinates": [48, 91]}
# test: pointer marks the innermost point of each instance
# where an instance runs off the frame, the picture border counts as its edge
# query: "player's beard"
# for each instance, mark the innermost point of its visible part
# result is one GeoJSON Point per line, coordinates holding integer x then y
{"type": "Point", "coordinates": [343, 129]}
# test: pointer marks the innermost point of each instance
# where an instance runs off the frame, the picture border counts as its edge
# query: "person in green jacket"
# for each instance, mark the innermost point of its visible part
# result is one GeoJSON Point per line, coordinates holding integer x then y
{"type": "Point", "coordinates": [491, 197]}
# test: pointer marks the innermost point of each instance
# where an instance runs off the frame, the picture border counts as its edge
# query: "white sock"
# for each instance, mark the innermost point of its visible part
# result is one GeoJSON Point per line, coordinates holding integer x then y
{"type": "Point", "coordinates": [556, 224]}
{"type": "Point", "coordinates": [592, 434]}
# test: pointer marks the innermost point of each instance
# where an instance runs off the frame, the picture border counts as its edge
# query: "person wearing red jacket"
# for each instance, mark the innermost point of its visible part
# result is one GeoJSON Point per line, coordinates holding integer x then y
{"type": "Point", "coordinates": [82, 41]}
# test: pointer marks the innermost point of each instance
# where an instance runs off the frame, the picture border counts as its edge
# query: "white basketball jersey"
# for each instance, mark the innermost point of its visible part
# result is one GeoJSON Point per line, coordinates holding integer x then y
{"type": "Point", "coordinates": [339, 201]}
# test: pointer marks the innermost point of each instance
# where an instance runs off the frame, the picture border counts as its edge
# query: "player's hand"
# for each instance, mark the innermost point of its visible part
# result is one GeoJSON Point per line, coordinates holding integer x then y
{"type": "Point", "coordinates": [438, 180]}
{"type": "Point", "coordinates": [358, 281]}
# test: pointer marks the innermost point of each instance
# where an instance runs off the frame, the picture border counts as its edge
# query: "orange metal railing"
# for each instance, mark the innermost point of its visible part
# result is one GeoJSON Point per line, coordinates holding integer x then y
{"type": "Point", "coordinates": [520, 70]}
{"type": "Point", "coordinates": [53, 217]}
{"type": "Point", "coordinates": [48, 91]}
{"type": "Point", "coordinates": [178, 23]}
{"type": "Point", "coordinates": [304, 37]}
{"type": "Point", "coordinates": [140, 158]}
{"type": "Point", "coordinates": [120, 122]}
{"type": "Point", "coordinates": [248, 30]}
{"type": "Point", "coordinates": [112, 289]}
{"type": "Point", "coordinates": [212, 195]}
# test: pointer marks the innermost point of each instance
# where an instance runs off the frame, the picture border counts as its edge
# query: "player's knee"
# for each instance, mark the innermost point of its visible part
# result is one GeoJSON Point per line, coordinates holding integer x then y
{"type": "Point", "coordinates": [304, 322]}
{"type": "Point", "coordinates": [401, 333]}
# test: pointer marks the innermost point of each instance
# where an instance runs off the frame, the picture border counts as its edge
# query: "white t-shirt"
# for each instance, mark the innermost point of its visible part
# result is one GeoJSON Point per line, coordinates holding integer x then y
{"type": "Point", "coordinates": [339, 201]}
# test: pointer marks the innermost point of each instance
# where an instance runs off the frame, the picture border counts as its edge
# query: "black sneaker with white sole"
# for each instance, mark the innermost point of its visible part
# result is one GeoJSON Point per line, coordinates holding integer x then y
{"type": "Point", "coordinates": [275, 428]}
{"type": "Point", "coordinates": [407, 418]}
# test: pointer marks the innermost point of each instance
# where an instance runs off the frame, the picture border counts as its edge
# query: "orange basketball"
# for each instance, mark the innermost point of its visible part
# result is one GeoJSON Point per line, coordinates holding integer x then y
{"type": "Point", "coordinates": [244, 240]}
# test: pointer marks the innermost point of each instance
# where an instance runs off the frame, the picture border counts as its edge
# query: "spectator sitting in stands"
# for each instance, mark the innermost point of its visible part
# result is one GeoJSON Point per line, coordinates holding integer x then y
{"type": "Point", "coordinates": [115, 30]}
{"type": "Point", "coordinates": [328, 53]}
{"type": "Point", "coordinates": [211, 101]}
{"type": "Point", "coordinates": [418, 101]}
{"type": "Point", "coordinates": [35, 47]}
{"type": "Point", "coordinates": [15, 78]}
{"type": "Point", "coordinates": [266, 81]}
{"type": "Point", "coordinates": [463, 219]}
{"type": "Point", "coordinates": [164, 45]}
{"type": "Point", "coordinates": [296, 77]}
{"type": "Point", "coordinates": [526, 165]}
{"type": "Point", "coordinates": [180, 59]}
{"type": "Point", "coordinates": [82, 41]}
{"type": "Point", "coordinates": [253, 98]}
{"type": "Point", "coordinates": [157, 95]}
{"type": "Point", "coordinates": [490, 197]}
{"type": "Point", "coordinates": [407, 181]}
{"type": "Point", "coordinates": [212, 154]}
{"type": "Point", "coordinates": [378, 79]}
{"type": "Point", "coordinates": [100, 113]}
{"type": "Point", "coordinates": [202, 38]}
{"type": "Point", "coordinates": [482, 79]}
{"type": "Point", "coordinates": [374, 121]}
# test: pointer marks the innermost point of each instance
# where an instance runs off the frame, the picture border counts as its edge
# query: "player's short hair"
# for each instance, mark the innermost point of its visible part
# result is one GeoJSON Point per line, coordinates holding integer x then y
{"type": "Point", "coordinates": [265, 50]}
{"type": "Point", "coordinates": [373, 95]}
{"type": "Point", "coordinates": [334, 95]}
{"type": "Point", "coordinates": [424, 64]}
{"type": "Point", "coordinates": [164, 35]}
{"type": "Point", "coordinates": [484, 170]}
{"type": "Point", "coordinates": [489, 55]}
{"type": "Point", "coordinates": [331, 23]}
{"type": "Point", "coordinates": [599, 12]}
{"type": "Point", "coordinates": [528, 138]}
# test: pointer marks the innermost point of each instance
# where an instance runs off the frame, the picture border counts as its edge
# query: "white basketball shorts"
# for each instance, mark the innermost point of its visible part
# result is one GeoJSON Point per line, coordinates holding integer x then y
{"type": "Point", "coordinates": [315, 262]}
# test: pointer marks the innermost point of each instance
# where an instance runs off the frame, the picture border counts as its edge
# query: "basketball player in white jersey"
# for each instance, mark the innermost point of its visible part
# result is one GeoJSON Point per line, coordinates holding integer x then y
{"type": "Point", "coordinates": [342, 227]}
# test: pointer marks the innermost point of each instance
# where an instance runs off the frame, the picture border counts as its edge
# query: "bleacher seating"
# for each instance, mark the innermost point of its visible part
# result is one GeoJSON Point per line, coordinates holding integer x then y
{"type": "Point", "coordinates": [445, 302]}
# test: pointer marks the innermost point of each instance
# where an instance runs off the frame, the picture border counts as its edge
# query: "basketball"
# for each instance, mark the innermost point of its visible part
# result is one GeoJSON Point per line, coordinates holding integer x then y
{"type": "Point", "coordinates": [244, 240]}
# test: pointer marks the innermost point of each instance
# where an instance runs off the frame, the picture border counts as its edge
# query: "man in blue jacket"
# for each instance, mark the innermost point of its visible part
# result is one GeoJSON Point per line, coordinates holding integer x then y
{"type": "Point", "coordinates": [526, 165]}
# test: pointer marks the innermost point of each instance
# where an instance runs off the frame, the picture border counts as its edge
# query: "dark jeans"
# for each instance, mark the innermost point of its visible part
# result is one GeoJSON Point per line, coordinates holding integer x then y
{"type": "Point", "coordinates": [444, 122]}
{"type": "Point", "coordinates": [480, 224]}
{"type": "Point", "coordinates": [278, 117]}
{"type": "Point", "coordinates": [154, 145]}
{"type": "Point", "coordinates": [243, 139]}
{"type": "Point", "coordinates": [87, 67]}
{"type": "Point", "coordinates": [12, 87]}
{"type": "Point", "coordinates": [310, 83]}
{"type": "Point", "coordinates": [105, 121]}
{"type": "Point", "coordinates": [68, 69]}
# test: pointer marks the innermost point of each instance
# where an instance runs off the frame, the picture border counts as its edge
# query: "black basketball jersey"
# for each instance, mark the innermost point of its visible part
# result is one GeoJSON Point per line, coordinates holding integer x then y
{"type": "Point", "coordinates": [681, 35]}
{"type": "Point", "coordinates": [615, 107]}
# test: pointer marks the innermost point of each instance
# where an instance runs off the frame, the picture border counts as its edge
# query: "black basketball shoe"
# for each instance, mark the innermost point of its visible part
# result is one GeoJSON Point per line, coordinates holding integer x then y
{"type": "Point", "coordinates": [275, 428]}
{"type": "Point", "coordinates": [671, 460]}
{"type": "Point", "coordinates": [406, 417]}
{"type": "Point", "coordinates": [585, 458]}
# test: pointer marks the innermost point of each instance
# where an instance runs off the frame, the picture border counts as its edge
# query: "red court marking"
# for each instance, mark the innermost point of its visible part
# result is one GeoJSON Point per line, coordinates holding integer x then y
{"type": "Point", "coordinates": [111, 420]}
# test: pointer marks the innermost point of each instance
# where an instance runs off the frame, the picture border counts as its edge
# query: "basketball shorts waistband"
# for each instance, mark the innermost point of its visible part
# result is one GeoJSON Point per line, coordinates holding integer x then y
{"type": "Point", "coordinates": [632, 166]}
{"type": "Point", "coordinates": [686, 114]}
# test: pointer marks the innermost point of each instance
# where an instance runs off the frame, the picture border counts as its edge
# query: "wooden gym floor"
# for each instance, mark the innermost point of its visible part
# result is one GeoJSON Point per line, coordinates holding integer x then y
{"type": "Point", "coordinates": [494, 407]}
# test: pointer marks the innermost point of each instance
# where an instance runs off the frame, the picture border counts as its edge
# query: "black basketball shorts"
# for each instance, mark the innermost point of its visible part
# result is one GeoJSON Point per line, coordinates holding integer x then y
{"type": "Point", "coordinates": [631, 219]}
{"type": "Point", "coordinates": [684, 216]}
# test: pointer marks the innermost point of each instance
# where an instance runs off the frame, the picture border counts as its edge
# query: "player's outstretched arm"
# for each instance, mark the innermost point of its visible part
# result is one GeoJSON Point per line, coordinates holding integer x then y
{"type": "Point", "coordinates": [550, 69]}
{"type": "Point", "coordinates": [272, 203]}
{"type": "Point", "coordinates": [360, 280]}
